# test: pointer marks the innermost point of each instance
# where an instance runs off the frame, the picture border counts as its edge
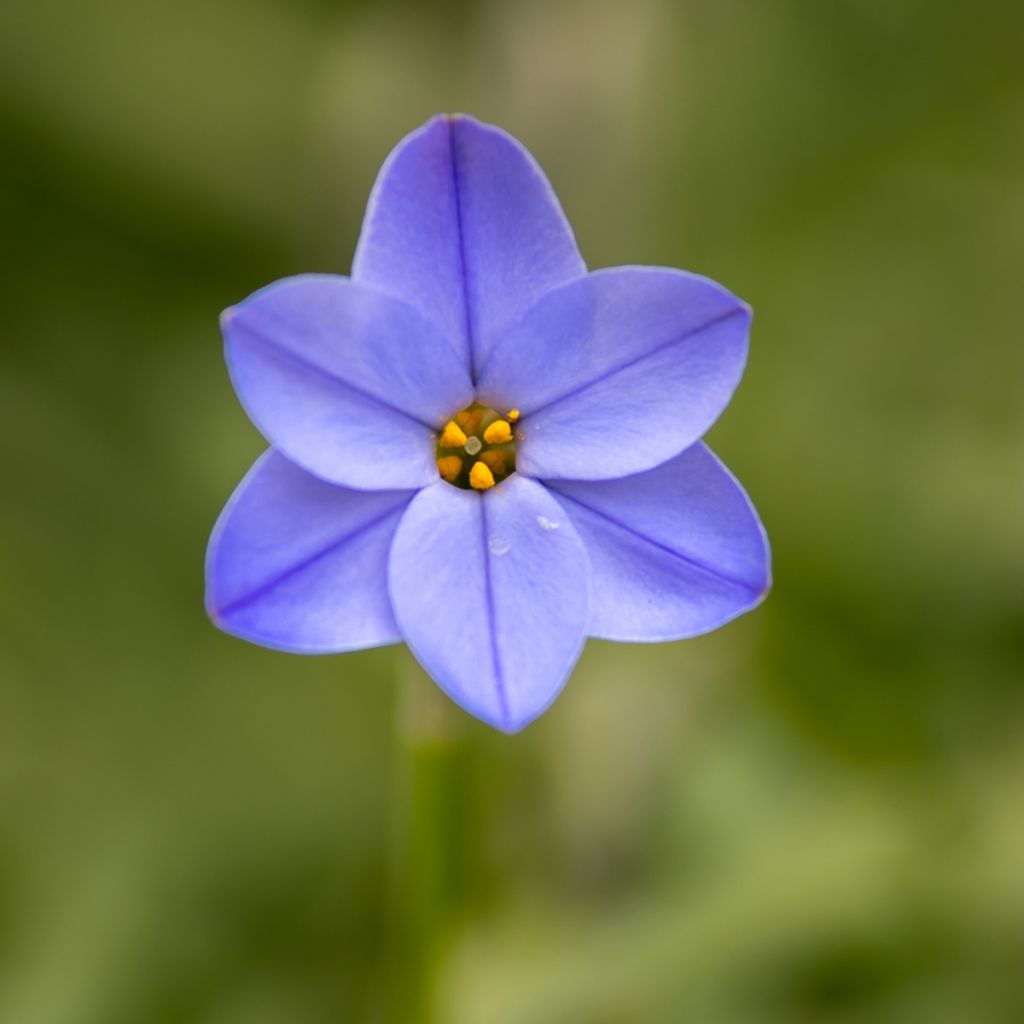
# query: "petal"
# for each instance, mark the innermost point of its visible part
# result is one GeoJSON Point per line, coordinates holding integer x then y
{"type": "Point", "coordinates": [675, 551]}
{"type": "Point", "coordinates": [300, 564]}
{"type": "Point", "coordinates": [463, 225]}
{"type": "Point", "coordinates": [490, 592]}
{"type": "Point", "coordinates": [619, 371]}
{"type": "Point", "coordinates": [348, 383]}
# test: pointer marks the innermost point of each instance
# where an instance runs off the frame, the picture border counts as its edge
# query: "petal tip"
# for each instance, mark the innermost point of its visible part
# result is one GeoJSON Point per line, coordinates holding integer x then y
{"type": "Point", "coordinates": [219, 614]}
{"type": "Point", "coordinates": [505, 722]}
{"type": "Point", "coordinates": [218, 619]}
{"type": "Point", "coordinates": [512, 726]}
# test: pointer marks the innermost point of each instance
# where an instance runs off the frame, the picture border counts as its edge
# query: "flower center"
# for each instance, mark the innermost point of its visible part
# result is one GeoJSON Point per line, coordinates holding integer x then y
{"type": "Point", "coordinates": [477, 448]}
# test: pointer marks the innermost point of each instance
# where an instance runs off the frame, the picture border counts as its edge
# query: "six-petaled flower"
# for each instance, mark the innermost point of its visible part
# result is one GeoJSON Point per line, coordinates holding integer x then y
{"type": "Point", "coordinates": [480, 448]}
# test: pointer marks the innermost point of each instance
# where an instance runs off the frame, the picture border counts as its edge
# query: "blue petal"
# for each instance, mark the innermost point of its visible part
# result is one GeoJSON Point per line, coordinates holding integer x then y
{"type": "Point", "coordinates": [675, 551]}
{"type": "Point", "coordinates": [301, 565]}
{"type": "Point", "coordinates": [491, 593]}
{"type": "Point", "coordinates": [463, 225]}
{"type": "Point", "coordinates": [618, 371]}
{"type": "Point", "coordinates": [348, 383]}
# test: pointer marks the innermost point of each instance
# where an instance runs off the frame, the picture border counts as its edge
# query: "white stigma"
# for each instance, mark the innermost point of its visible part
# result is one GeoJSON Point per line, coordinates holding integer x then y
{"type": "Point", "coordinates": [473, 445]}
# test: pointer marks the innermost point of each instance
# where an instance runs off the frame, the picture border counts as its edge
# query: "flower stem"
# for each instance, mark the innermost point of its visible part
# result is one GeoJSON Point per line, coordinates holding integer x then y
{"type": "Point", "coordinates": [425, 873]}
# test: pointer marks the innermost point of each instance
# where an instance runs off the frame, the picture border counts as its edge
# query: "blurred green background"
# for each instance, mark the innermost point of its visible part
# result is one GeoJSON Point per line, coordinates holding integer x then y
{"type": "Point", "coordinates": [813, 815]}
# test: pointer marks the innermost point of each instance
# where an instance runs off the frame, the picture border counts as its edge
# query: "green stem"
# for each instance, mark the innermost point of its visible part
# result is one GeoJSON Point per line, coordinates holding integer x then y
{"type": "Point", "coordinates": [426, 873]}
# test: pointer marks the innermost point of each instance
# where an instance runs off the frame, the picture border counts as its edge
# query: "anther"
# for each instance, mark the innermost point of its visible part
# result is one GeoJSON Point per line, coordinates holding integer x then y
{"type": "Point", "coordinates": [499, 432]}
{"type": "Point", "coordinates": [449, 466]}
{"type": "Point", "coordinates": [512, 415]}
{"type": "Point", "coordinates": [480, 477]}
{"type": "Point", "coordinates": [470, 419]}
{"type": "Point", "coordinates": [453, 436]}
{"type": "Point", "coordinates": [495, 462]}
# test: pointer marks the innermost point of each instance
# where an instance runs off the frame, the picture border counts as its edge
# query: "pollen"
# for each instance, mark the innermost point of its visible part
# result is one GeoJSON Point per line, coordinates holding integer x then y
{"type": "Point", "coordinates": [480, 477]}
{"type": "Point", "coordinates": [499, 432]}
{"type": "Point", "coordinates": [512, 415]}
{"type": "Point", "coordinates": [449, 466]}
{"type": "Point", "coordinates": [495, 462]}
{"type": "Point", "coordinates": [470, 420]}
{"type": "Point", "coordinates": [453, 436]}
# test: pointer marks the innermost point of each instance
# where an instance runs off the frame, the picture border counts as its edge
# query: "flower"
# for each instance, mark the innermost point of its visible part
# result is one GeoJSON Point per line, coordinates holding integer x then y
{"type": "Point", "coordinates": [480, 448]}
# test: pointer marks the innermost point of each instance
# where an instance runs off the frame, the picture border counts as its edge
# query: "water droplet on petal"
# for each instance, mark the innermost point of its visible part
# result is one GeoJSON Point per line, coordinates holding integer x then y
{"type": "Point", "coordinates": [546, 524]}
{"type": "Point", "coordinates": [499, 546]}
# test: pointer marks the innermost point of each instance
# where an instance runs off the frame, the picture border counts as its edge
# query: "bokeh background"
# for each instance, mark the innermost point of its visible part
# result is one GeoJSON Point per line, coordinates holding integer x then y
{"type": "Point", "coordinates": [813, 815]}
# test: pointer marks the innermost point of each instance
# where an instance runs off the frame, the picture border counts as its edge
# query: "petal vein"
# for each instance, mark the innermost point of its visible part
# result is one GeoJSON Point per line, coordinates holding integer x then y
{"type": "Point", "coordinates": [463, 267]}
{"type": "Point", "coordinates": [307, 364]}
{"type": "Point", "coordinates": [499, 679]}
{"type": "Point", "coordinates": [579, 389]}
{"type": "Point", "coordinates": [265, 588]}
{"type": "Point", "coordinates": [694, 563]}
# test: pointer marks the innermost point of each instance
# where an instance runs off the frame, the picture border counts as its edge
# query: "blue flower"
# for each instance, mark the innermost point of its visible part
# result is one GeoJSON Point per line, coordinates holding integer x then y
{"type": "Point", "coordinates": [478, 447]}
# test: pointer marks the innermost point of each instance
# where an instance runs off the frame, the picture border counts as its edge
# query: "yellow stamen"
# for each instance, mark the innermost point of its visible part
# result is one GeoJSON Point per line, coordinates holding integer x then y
{"type": "Point", "coordinates": [512, 415]}
{"type": "Point", "coordinates": [495, 462]}
{"type": "Point", "coordinates": [449, 466]}
{"type": "Point", "coordinates": [470, 419]}
{"type": "Point", "coordinates": [453, 437]}
{"type": "Point", "coordinates": [480, 477]}
{"type": "Point", "coordinates": [499, 432]}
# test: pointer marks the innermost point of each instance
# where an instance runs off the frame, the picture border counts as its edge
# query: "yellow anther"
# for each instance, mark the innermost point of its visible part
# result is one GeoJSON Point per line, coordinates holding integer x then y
{"type": "Point", "coordinates": [480, 477]}
{"type": "Point", "coordinates": [495, 462]}
{"type": "Point", "coordinates": [453, 437]}
{"type": "Point", "coordinates": [499, 432]}
{"type": "Point", "coordinates": [512, 415]}
{"type": "Point", "coordinates": [470, 419]}
{"type": "Point", "coordinates": [449, 466]}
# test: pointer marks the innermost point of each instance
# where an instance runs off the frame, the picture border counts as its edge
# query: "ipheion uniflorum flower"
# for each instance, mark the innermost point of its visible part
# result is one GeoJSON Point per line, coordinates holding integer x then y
{"type": "Point", "coordinates": [480, 448]}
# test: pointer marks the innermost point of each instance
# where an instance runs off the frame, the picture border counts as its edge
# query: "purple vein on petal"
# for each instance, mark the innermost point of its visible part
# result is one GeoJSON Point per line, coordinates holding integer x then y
{"type": "Point", "coordinates": [463, 267]}
{"type": "Point", "coordinates": [694, 563]}
{"type": "Point", "coordinates": [307, 364]}
{"type": "Point", "coordinates": [580, 388]}
{"type": "Point", "coordinates": [265, 588]}
{"type": "Point", "coordinates": [492, 620]}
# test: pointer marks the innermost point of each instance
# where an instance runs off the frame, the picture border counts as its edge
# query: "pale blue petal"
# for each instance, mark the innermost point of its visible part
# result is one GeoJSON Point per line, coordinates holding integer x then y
{"type": "Point", "coordinates": [348, 383]}
{"type": "Point", "coordinates": [299, 564]}
{"type": "Point", "coordinates": [491, 593]}
{"type": "Point", "coordinates": [618, 371]}
{"type": "Point", "coordinates": [463, 225]}
{"type": "Point", "coordinates": [675, 551]}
